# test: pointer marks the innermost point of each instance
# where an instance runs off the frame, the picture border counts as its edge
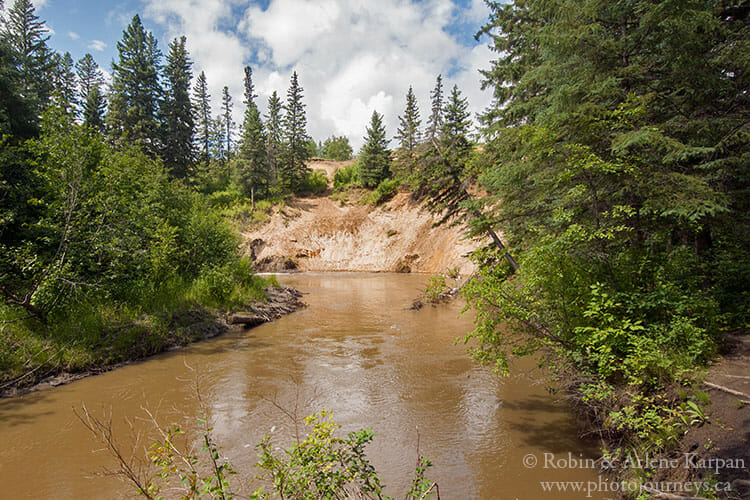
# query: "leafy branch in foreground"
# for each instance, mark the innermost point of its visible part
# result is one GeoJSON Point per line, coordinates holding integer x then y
{"type": "Point", "coordinates": [320, 466]}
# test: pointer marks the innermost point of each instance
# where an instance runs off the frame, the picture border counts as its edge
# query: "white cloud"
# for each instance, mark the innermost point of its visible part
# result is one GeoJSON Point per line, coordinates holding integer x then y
{"type": "Point", "coordinates": [73, 35]}
{"type": "Point", "coordinates": [214, 49]}
{"type": "Point", "coordinates": [97, 45]}
{"type": "Point", "coordinates": [352, 57]}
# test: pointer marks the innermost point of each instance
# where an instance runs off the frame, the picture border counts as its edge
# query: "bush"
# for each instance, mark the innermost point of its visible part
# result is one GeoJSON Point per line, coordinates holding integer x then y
{"type": "Point", "coordinates": [386, 190]}
{"type": "Point", "coordinates": [315, 182]}
{"type": "Point", "coordinates": [345, 177]}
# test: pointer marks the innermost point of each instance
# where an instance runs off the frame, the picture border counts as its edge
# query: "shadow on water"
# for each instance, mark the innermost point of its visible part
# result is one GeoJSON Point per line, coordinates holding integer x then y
{"type": "Point", "coordinates": [14, 411]}
{"type": "Point", "coordinates": [553, 430]}
{"type": "Point", "coordinates": [227, 345]}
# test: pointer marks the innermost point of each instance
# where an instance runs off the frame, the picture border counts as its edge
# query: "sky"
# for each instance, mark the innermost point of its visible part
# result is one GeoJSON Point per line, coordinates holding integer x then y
{"type": "Point", "coordinates": [352, 57]}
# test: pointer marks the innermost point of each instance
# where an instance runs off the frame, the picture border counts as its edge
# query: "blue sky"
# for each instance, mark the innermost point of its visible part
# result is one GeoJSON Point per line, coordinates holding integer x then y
{"type": "Point", "coordinates": [352, 56]}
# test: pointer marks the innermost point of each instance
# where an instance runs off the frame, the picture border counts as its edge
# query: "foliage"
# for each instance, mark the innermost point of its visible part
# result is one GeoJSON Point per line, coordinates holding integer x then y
{"type": "Point", "coordinates": [295, 153]}
{"type": "Point", "coordinates": [408, 133]}
{"type": "Point", "coordinates": [132, 117]}
{"type": "Point", "coordinates": [337, 148]}
{"type": "Point", "coordinates": [385, 190]}
{"type": "Point", "coordinates": [346, 176]}
{"type": "Point", "coordinates": [321, 465]}
{"type": "Point", "coordinates": [250, 169]}
{"type": "Point", "coordinates": [176, 111]}
{"type": "Point", "coordinates": [202, 112]}
{"type": "Point", "coordinates": [619, 189]}
{"type": "Point", "coordinates": [315, 182]}
{"type": "Point", "coordinates": [375, 158]}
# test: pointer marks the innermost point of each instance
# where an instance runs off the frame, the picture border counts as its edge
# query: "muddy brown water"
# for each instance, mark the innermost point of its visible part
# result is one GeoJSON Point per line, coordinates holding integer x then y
{"type": "Point", "coordinates": [356, 350]}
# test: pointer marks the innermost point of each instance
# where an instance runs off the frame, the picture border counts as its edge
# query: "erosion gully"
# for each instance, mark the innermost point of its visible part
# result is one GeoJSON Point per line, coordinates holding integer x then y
{"type": "Point", "coordinates": [356, 350]}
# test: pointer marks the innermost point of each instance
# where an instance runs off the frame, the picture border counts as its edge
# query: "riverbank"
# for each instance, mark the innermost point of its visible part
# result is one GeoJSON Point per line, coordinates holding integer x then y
{"type": "Point", "coordinates": [144, 337]}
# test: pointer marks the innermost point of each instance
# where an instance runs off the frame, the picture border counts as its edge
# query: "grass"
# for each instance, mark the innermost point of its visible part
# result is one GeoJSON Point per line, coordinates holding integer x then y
{"type": "Point", "coordinates": [94, 335]}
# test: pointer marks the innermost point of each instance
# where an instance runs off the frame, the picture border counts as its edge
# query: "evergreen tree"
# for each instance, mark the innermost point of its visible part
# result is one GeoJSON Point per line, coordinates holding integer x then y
{"type": "Point", "coordinates": [435, 122]}
{"type": "Point", "coordinates": [409, 135]}
{"type": "Point", "coordinates": [375, 158]}
{"type": "Point", "coordinates": [274, 136]}
{"type": "Point", "coordinates": [27, 36]}
{"type": "Point", "coordinates": [203, 121]}
{"type": "Point", "coordinates": [296, 153]}
{"type": "Point", "coordinates": [89, 76]}
{"type": "Point", "coordinates": [91, 97]}
{"type": "Point", "coordinates": [136, 91]}
{"type": "Point", "coordinates": [66, 88]}
{"type": "Point", "coordinates": [176, 111]}
{"type": "Point", "coordinates": [229, 125]}
{"type": "Point", "coordinates": [217, 139]}
{"type": "Point", "coordinates": [93, 109]}
{"type": "Point", "coordinates": [16, 115]}
{"type": "Point", "coordinates": [251, 166]}
{"type": "Point", "coordinates": [456, 123]}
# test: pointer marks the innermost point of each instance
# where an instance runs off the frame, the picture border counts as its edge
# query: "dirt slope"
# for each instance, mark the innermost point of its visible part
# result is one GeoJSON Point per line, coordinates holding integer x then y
{"type": "Point", "coordinates": [320, 234]}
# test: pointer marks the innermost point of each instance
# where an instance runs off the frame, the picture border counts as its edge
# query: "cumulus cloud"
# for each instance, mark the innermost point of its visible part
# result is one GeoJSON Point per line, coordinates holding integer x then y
{"type": "Point", "coordinates": [97, 45]}
{"type": "Point", "coordinates": [352, 57]}
{"type": "Point", "coordinates": [73, 35]}
{"type": "Point", "coordinates": [212, 41]}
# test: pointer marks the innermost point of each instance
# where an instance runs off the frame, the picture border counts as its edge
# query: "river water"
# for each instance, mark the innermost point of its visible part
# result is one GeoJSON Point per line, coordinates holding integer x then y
{"type": "Point", "coordinates": [355, 350]}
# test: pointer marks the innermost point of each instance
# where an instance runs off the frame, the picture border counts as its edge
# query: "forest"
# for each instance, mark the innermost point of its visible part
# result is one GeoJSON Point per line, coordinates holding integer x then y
{"type": "Point", "coordinates": [610, 179]}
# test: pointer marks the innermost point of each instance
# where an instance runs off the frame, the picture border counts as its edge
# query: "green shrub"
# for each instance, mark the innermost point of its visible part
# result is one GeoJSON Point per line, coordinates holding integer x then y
{"type": "Point", "coordinates": [386, 190]}
{"type": "Point", "coordinates": [315, 182]}
{"type": "Point", "coordinates": [346, 176]}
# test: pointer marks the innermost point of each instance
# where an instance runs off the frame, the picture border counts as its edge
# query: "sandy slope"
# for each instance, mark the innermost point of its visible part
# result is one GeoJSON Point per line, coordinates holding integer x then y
{"type": "Point", "coordinates": [320, 234]}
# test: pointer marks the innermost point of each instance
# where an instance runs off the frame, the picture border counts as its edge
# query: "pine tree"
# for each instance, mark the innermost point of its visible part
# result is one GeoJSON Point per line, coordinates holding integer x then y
{"type": "Point", "coordinates": [203, 121]}
{"type": "Point", "coordinates": [296, 153]}
{"type": "Point", "coordinates": [136, 91]}
{"type": "Point", "coordinates": [274, 136]}
{"type": "Point", "coordinates": [436, 118]}
{"type": "Point", "coordinates": [27, 36]}
{"type": "Point", "coordinates": [91, 97]}
{"type": "Point", "coordinates": [176, 111]}
{"type": "Point", "coordinates": [408, 134]}
{"type": "Point", "coordinates": [375, 159]}
{"type": "Point", "coordinates": [229, 125]}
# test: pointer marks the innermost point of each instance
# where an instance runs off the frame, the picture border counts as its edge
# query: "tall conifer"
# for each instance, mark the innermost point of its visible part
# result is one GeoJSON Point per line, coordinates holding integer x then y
{"type": "Point", "coordinates": [177, 121]}
{"type": "Point", "coordinates": [296, 152]}
{"type": "Point", "coordinates": [203, 120]}
{"type": "Point", "coordinates": [136, 90]}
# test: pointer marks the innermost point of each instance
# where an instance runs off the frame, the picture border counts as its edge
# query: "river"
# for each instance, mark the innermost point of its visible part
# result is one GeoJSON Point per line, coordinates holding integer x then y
{"type": "Point", "coordinates": [356, 350]}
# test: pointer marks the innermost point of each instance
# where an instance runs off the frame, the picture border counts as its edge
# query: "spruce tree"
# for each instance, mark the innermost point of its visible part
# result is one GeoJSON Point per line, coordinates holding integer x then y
{"type": "Point", "coordinates": [66, 88]}
{"type": "Point", "coordinates": [229, 125]}
{"type": "Point", "coordinates": [435, 122]}
{"type": "Point", "coordinates": [375, 159]}
{"type": "Point", "coordinates": [91, 97]}
{"type": "Point", "coordinates": [27, 36]}
{"type": "Point", "coordinates": [176, 111]}
{"type": "Point", "coordinates": [203, 120]}
{"type": "Point", "coordinates": [136, 90]}
{"type": "Point", "coordinates": [251, 167]}
{"type": "Point", "coordinates": [296, 153]}
{"type": "Point", "coordinates": [89, 76]}
{"type": "Point", "coordinates": [274, 136]}
{"type": "Point", "coordinates": [456, 123]}
{"type": "Point", "coordinates": [409, 134]}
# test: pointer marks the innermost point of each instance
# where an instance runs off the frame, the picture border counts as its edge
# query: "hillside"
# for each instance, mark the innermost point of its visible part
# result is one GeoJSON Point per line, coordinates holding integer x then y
{"type": "Point", "coordinates": [323, 234]}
